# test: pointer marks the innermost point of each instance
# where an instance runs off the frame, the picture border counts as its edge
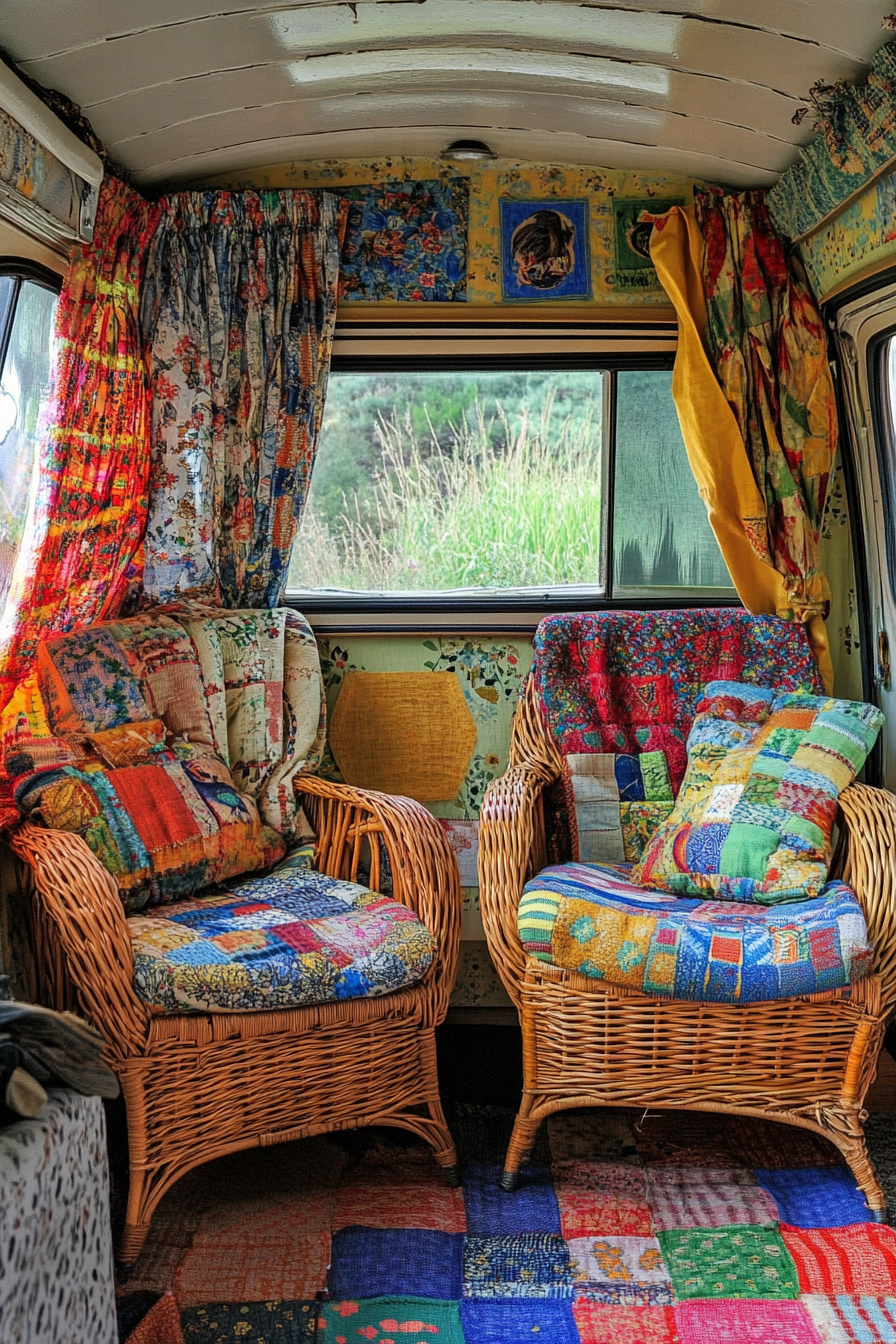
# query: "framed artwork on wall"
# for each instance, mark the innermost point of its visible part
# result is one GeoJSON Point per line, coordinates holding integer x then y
{"type": "Point", "coordinates": [545, 251]}
{"type": "Point", "coordinates": [633, 224]}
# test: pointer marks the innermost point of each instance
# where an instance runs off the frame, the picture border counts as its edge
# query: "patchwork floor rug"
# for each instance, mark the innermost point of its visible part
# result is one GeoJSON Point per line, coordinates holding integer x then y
{"type": "Point", "coordinates": [629, 1228]}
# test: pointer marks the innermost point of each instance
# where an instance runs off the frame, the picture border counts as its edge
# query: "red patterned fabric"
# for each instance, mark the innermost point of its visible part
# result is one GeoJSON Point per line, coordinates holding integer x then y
{"type": "Point", "coordinates": [94, 472]}
{"type": "Point", "coordinates": [161, 1325]}
{"type": "Point", "coordinates": [856, 1259]}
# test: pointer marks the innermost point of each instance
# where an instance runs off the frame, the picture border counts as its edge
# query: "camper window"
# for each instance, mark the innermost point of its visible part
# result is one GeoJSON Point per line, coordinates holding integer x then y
{"type": "Point", "coordinates": [539, 484]}
{"type": "Point", "coordinates": [28, 297]}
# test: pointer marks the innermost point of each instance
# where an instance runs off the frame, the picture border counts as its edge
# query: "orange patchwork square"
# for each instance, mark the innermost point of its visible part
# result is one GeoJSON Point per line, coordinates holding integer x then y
{"type": "Point", "coordinates": [729, 950]}
{"type": "Point", "coordinates": [598, 1323]}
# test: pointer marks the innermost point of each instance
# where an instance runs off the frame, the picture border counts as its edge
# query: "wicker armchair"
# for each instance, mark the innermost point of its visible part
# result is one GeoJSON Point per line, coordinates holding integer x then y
{"type": "Point", "coordinates": [803, 1061]}
{"type": "Point", "coordinates": [199, 1085]}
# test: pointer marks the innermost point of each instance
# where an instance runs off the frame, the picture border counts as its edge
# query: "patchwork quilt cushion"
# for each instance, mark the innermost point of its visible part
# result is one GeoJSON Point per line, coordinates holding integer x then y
{"type": "Point", "coordinates": [754, 816]}
{"type": "Point", "coordinates": [285, 939]}
{"type": "Point", "coordinates": [164, 829]}
{"type": "Point", "coordinates": [596, 920]}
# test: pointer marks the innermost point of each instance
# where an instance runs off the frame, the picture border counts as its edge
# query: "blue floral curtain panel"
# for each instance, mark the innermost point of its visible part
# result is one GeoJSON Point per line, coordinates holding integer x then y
{"type": "Point", "coordinates": [238, 309]}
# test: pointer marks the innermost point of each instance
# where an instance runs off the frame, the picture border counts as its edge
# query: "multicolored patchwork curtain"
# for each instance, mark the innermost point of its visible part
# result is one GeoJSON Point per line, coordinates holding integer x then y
{"type": "Point", "coordinates": [755, 399]}
{"type": "Point", "coordinates": [91, 504]}
{"type": "Point", "coordinates": [239, 307]}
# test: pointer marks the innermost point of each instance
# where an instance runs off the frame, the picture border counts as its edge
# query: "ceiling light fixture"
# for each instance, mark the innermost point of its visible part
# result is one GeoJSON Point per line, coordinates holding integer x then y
{"type": "Point", "coordinates": [467, 151]}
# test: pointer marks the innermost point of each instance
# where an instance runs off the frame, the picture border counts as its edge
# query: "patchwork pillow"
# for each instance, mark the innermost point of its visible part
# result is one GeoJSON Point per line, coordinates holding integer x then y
{"type": "Point", "coordinates": [754, 816]}
{"type": "Point", "coordinates": [125, 672]}
{"type": "Point", "coordinates": [164, 829]}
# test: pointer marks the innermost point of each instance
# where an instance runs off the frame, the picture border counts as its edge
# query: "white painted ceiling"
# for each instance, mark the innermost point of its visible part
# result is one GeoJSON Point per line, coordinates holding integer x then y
{"type": "Point", "coordinates": [181, 89]}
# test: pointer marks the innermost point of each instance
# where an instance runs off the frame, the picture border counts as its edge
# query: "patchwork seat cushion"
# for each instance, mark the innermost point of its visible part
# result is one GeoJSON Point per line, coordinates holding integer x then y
{"type": "Point", "coordinates": [593, 919]}
{"type": "Point", "coordinates": [284, 939]}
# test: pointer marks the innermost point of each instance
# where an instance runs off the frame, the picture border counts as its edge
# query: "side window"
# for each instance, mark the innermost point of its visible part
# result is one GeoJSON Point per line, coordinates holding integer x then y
{"type": "Point", "coordinates": [662, 540]}
{"type": "Point", "coordinates": [27, 314]}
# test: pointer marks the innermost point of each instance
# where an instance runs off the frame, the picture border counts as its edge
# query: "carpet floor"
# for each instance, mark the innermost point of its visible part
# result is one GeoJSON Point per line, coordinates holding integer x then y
{"type": "Point", "coordinates": [627, 1229]}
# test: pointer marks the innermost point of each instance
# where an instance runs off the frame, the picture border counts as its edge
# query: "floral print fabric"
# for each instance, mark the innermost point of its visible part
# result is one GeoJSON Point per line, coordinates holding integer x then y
{"type": "Point", "coordinates": [406, 241]}
{"type": "Point", "coordinates": [765, 340]}
{"type": "Point", "coordinates": [238, 308]}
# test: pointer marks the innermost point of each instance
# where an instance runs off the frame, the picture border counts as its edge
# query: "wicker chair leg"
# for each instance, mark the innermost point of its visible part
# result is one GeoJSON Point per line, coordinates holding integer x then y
{"type": "Point", "coordinates": [446, 1155]}
{"type": "Point", "coordinates": [521, 1143]}
{"type": "Point", "coordinates": [856, 1154]}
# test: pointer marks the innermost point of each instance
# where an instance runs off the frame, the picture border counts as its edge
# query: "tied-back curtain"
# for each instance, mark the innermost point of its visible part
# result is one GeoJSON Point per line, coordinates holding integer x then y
{"type": "Point", "coordinates": [93, 473]}
{"type": "Point", "coordinates": [755, 399]}
{"type": "Point", "coordinates": [239, 307]}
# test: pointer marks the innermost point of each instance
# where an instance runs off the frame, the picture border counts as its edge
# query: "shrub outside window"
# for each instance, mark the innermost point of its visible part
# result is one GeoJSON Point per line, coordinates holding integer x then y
{"type": "Point", "coordinates": [536, 484]}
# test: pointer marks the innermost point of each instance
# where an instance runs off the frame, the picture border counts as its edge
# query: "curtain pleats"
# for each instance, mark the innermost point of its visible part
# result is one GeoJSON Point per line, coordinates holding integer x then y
{"type": "Point", "coordinates": [238, 309]}
{"type": "Point", "coordinates": [755, 400]}
{"type": "Point", "coordinates": [91, 505]}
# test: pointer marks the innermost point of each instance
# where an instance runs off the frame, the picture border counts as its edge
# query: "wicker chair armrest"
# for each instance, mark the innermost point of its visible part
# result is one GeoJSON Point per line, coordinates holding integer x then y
{"type": "Point", "coordinates": [870, 869]}
{"type": "Point", "coordinates": [425, 877]}
{"type": "Point", "coordinates": [82, 902]}
{"type": "Point", "coordinates": [511, 848]}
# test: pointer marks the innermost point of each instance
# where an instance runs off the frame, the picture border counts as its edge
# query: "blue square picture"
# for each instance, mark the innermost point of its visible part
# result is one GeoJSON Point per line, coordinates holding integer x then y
{"type": "Point", "coordinates": [545, 252]}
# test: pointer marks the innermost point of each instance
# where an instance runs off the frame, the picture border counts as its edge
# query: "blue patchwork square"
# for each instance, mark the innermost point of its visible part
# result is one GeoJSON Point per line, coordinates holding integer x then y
{"type": "Point", "coordinates": [396, 1262]}
{"type": "Point", "coordinates": [520, 1322]}
{"type": "Point", "coordinates": [198, 953]}
{"type": "Point", "coordinates": [491, 1210]}
{"type": "Point", "coordinates": [629, 780]}
{"type": "Point", "coordinates": [526, 1265]}
{"type": "Point", "coordinates": [815, 1196]}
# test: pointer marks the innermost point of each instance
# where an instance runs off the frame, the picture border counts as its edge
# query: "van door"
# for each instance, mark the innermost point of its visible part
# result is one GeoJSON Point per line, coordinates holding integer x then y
{"type": "Point", "coordinates": [865, 338]}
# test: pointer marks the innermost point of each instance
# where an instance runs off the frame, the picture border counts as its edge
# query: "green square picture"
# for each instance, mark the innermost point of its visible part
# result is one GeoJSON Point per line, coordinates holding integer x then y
{"type": "Point", "coordinates": [632, 226]}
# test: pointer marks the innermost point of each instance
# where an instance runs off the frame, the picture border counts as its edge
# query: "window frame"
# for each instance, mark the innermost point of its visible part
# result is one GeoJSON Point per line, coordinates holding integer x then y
{"type": "Point", "coordinates": [21, 269]}
{"type": "Point", "coordinates": [514, 612]}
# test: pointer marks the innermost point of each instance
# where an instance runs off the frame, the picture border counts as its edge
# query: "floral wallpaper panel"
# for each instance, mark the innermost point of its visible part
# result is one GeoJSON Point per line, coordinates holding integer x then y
{"type": "Point", "coordinates": [491, 672]}
{"type": "Point", "coordinates": [614, 280]}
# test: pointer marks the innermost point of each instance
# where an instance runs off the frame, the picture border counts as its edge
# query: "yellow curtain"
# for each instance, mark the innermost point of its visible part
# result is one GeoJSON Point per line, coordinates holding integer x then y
{"type": "Point", "coordinates": [715, 444]}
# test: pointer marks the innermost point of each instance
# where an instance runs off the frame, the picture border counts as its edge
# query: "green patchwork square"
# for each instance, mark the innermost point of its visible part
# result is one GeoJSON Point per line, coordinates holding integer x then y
{"type": "Point", "coordinates": [760, 788]}
{"type": "Point", "coordinates": [414, 1320]}
{"type": "Point", "coordinates": [838, 743]}
{"type": "Point", "coordinates": [769, 766]}
{"type": "Point", "coordinates": [805, 829]}
{"type": "Point", "coordinates": [655, 774]}
{"type": "Point", "coordinates": [743, 1260]}
{"type": "Point", "coordinates": [747, 849]}
{"type": "Point", "coordinates": [784, 741]}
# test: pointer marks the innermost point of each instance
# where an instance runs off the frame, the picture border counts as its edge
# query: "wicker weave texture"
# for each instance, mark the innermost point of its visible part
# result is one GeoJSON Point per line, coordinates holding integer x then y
{"type": "Point", "coordinates": [199, 1086]}
{"type": "Point", "coordinates": [806, 1061]}
{"type": "Point", "coordinates": [408, 733]}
